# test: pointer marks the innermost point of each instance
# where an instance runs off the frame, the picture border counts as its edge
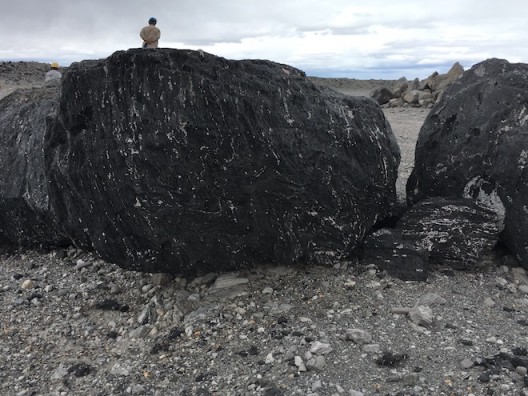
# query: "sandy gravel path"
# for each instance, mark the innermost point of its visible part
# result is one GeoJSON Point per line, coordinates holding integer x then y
{"type": "Point", "coordinates": [405, 123]}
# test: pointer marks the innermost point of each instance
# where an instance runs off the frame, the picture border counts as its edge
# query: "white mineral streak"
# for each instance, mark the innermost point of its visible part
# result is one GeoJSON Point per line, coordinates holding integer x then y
{"type": "Point", "coordinates": [523, 158]}
{"type": "Point", "coordinates": [490, 201]}
{"type": "Point", "coordinates": [523, 116]}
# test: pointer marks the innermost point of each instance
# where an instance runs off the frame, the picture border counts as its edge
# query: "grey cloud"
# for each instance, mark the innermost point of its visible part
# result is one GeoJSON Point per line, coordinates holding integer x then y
{"type": "Point", "coordinates": [69, 30]}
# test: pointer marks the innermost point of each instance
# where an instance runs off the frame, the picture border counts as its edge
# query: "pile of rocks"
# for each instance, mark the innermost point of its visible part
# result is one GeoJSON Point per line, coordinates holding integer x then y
{"type": "Point", "coordinates": [23, 72]}
{"type": "Point", "coordinates": [417, 93]}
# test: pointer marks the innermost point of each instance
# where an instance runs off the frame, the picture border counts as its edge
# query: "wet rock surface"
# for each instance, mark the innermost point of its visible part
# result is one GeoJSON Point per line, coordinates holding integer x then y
{"type": "Point", "coordinates": [474, 144]}
{"type": "Point", "coordinates": [181, 161]}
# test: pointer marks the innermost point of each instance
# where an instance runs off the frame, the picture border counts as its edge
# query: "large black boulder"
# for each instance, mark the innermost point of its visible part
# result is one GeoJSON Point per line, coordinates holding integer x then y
{"type": "Point", "coordinates": [474, 143]}
{"type": "Point", "coordinates": [181, 161]}
{"type": "Point", "coordinates": [456, 232]}
{"type": "Point", "coordinates": [436, 232]}
{"type": "Point", "coordinates": [25, 218]}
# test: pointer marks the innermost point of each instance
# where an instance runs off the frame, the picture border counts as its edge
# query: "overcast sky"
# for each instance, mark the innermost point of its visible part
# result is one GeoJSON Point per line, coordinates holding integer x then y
{"type": "Point", "coordinates": [341, 38]}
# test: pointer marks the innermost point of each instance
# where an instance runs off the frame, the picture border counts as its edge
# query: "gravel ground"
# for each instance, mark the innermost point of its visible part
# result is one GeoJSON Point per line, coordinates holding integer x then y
{"type": "Point", "coordinates": [75, 325]}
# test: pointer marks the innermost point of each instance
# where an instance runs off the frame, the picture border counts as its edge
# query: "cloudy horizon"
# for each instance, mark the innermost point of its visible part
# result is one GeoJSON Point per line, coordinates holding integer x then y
{"type": "Point", "coordinates": [342, 38]}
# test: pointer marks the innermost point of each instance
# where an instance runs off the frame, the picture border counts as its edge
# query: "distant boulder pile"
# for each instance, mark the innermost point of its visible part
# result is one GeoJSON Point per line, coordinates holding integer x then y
{"type": "Point", "coordinates": [23, 72]}
{"type": "Point", "coordinates": [416, 93]}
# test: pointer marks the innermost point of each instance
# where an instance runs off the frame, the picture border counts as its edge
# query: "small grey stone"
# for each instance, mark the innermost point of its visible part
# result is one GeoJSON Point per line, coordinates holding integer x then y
{"type": "Point", "coordinates": [521, 370]}
{"type": "Point", "coordinates": [27, 284]}
{"type": "Point", "coordinates": [114, 289]}
{"type": "Point", "coordinates": [358, 336]}
{"type": "Point", "coordinates": [194, 297]}
{"type": "Point", "coordinates": [523, 289]}
{"type": "Point", "coordinates": [161, 279]}
{"type": "Point", "coordinates": [291, 353]}
{"type": "Point", "coordinates": [276, 308]}
{"type": "Point", "coordinates": [501, 282]}
{"type": "Point", "coordinates": [80, 264]}
{"type": "Point", "coordinates": [228, 280]}
{"type": "Point", "coordinates": [138, 390]}
{"type": "Point", "coordinates": [147, 315]}
{"type": "Point", "coordinates": [316, 363]}
{"type": "Point", "coordinates": [431, 299]}
{"type": "Point", "coordinates": [466, 363]}
{"type": "Point", "coordinates": [488, 302]}
{"type": "Point", "coordinates": [466, 341]}
{"type": "Point", "coordinates": [371, 348]}
{"type": "Point", "coordinates": [421, 315]}
{"type": "Point", "coordinates": [320, 348]}
{"type": "Point", "coordinates": [355, 393]}
{"type": "Point", "coordinates": [394, 378]}
{"type": "Point", "coordinates": [299, 363]}
{"type": "Point", "coordinates": [60, 372]}
{"type": "Point", "coordinates": [140, 332]}
{"type": "Point", "coordinates": [317, 385]}
{"type": "Point", "coordinates": [410, 380]}
{"type": "Point", "coordinates": [118, 369]}
{"type": "Point", "coordinates": [519, 274]}
{"type": "Point", "coordinates": [143, 317]}
{"type": "Point", "coordinates": [203, 280]}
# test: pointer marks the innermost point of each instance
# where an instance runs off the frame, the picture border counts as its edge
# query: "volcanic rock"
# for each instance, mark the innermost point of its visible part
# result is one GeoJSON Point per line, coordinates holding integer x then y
{"type": "Point", "coordinates": [435, 232]}
{"type": "Point", "coordinates": [402, 259]}
{"type": "Point", "coordinates": [381, 95]}
{"type": "Point", "coordinates": [454, 232]}
{"type": "Point", "coordinates": [474, 143]}
{"type": "Point", "coordinates": [25, 218]}
{"type": "Point", "coordinates": [417, 93]}
{"type": "Point", "coordinates": [174, 161]}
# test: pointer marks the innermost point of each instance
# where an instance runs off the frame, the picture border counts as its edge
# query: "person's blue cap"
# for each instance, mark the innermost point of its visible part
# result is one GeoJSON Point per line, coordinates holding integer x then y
{"type": "Point", "coordinates": [153, 20]}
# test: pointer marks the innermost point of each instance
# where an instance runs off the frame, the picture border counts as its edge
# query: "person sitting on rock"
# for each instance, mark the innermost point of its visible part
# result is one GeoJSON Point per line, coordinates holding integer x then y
{"type": "Point", "coordinates": [150, 34]}
{"type": "Point", "coordinates": [54, 73]}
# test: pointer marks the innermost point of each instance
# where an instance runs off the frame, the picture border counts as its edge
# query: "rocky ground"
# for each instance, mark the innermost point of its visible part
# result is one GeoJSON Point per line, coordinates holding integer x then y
{"type": "Point", "coordinates": [74, 325]}
{"type": "Point", "coordinates": [15, 75]}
